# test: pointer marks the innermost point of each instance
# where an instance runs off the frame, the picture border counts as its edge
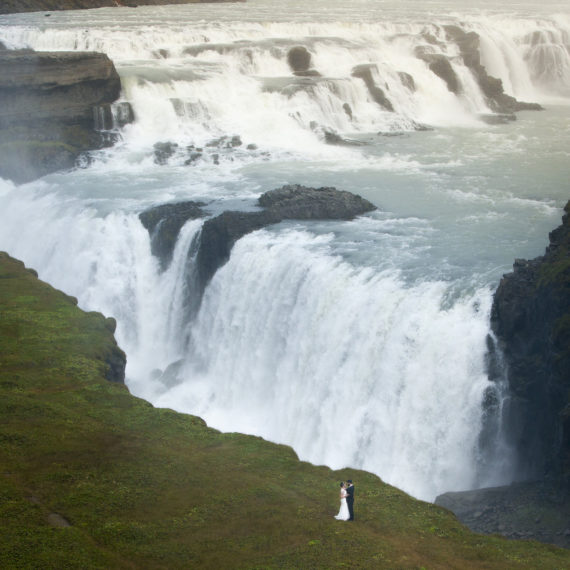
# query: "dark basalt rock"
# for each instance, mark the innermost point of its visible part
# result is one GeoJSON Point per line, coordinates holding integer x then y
{"type": "Point", "coordinates": [292, 202]}
{"type": "Point", "coordinates": [15, 6]}
{"type": "Point", "coordinates": [299, 59]}
{"type": "Point", "coordinates": [492, 87]}
{"type": "Point", "coordinates": [531, 320]}
{"type": "Point", "coordinates": [164, 224]}
{"type": "Point", "coordinates": [48, 108]}
{"type": "Point", "coordinates": [163, 151]}
{"type": "Point", "coordinates": [334, 138]}
{"type": "Point", "coordinates": [441, 66]}
{"type": "Point", "coordinates": [364, 72]}
{"type": "Point", "coordinates": [534, 510]}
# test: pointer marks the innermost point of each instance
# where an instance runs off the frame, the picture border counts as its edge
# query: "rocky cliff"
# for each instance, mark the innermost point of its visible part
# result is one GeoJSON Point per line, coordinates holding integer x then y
{"type": "Point", "coordinates": [48, 108]}
{"type": "Point", "coordinates": [531, 319]}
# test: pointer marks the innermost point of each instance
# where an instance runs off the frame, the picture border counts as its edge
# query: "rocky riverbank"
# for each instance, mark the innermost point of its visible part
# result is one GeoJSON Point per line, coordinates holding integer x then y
{"type": "Point", "coordinates": [49, 107]}
{"type": "Point", "coordinates": [531, 321]}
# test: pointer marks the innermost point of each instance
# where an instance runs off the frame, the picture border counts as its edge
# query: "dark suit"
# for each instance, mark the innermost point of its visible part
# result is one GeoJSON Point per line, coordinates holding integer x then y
{"type": "Point", "coordinates": [350, 502]}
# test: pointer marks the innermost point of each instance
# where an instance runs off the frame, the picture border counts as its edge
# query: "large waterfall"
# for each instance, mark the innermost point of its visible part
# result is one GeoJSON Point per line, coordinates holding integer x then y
{"type": "Point", "coordinates": [358, 343]}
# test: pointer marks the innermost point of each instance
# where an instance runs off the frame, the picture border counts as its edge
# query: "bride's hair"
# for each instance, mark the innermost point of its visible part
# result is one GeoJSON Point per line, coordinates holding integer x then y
{"type": "Point", "coordinates": [341, 483]}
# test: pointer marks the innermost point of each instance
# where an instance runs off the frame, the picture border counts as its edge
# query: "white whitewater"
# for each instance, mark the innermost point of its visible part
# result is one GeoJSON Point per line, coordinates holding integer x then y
{"type": "Point", "coordinates": [358, 343]}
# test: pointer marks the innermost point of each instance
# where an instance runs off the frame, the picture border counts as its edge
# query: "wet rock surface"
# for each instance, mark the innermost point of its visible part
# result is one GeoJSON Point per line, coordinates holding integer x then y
{"type": "Point", "coordinates": [291, 202]}
{"type": "Point", "coordinates": [164, 223]}
{"type": "Point", "coordinates": [532, 511]}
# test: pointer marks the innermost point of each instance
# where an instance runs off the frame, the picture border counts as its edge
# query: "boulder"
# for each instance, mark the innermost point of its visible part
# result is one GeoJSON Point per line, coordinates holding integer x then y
{"type": "Point", "coordinates": [163, 151]}
{"type": "Point", "coordinates": [407, 80]}
{"type": "Point", "coordinates": [299, 59]}
{"type": "Point", "coordinates": [531, 320]}
{"type": "Point", "coordinates": [49, 103]}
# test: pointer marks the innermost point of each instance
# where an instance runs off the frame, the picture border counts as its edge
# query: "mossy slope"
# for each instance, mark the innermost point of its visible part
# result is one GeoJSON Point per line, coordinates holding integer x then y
{"type": "Point", "coordinates": [91, 477]}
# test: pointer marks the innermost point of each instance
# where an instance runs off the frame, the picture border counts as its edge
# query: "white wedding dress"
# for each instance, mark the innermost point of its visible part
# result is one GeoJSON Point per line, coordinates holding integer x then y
{"type": "Point", "coordinates": [343, 514]}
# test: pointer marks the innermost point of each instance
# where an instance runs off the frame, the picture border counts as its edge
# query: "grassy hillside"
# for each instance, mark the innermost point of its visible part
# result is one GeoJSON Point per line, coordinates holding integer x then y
{"type": "Point", "coordinates": [91, 477]}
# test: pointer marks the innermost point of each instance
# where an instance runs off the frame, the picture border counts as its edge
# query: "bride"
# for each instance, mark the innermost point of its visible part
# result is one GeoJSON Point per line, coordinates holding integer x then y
{"type": "Point", "coordinates": [343, 514]}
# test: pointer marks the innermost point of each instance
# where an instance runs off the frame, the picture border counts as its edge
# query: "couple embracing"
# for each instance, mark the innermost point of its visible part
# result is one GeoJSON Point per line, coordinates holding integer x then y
{"type": "Point", "coordinates": [346, 512]}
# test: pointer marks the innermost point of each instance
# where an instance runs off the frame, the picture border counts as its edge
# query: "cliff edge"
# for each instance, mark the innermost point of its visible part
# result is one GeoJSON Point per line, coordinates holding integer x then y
{"type": "Point", "coordinates": [531, 320]}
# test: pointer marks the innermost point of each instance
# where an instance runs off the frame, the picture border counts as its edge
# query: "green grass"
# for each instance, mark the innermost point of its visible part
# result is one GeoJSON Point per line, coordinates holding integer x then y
{"type": "Point", "coordinates": [150, 488]}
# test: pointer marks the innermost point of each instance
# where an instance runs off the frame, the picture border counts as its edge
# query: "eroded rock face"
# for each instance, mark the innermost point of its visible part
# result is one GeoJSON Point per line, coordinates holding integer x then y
{"type": "Point", "coordinates": [531, 319]}
{"type": "Point", "coordinates": [48, 104]}
{"type": "Point", "coordinates": [492, 87]}
{"type": "Point", "coordinates": [365, 72]}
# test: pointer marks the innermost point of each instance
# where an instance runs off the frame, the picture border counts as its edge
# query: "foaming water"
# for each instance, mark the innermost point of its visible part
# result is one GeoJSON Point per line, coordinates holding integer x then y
{"type": "Point", "coordinates": [359, 343]}
{"type": "Point", "coordinates": [288, 331]}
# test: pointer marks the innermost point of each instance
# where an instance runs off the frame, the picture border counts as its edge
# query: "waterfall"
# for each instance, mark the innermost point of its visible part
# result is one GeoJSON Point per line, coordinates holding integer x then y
{"type": "Point", "coordinates": [194, 82]}
{"type": "Point", "coordinates": [359, 343]}
{"type": "Point", "coordinates": [288, 331]}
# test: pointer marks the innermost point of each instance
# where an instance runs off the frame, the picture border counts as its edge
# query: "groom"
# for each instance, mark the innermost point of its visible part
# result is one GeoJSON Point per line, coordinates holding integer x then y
{"type": "Point", "coordinates": [350, 499]}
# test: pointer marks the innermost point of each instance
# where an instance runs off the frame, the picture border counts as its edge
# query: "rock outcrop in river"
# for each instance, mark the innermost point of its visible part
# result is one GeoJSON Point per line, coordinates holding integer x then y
{"type": "Point", "coordinates": [219, 234]}
{"type": "Point", "coordinates": [48, 107]}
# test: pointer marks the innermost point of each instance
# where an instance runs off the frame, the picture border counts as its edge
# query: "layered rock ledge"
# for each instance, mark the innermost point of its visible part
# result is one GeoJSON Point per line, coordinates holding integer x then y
{"type": "Point", "coordinates": [49, 103]}
{"type": "Point", "coordinates": [219, 234]}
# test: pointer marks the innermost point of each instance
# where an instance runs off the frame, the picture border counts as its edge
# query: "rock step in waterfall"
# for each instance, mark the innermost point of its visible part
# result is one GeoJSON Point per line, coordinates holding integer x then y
{"type": "Point", "coordinates": [219, 234]}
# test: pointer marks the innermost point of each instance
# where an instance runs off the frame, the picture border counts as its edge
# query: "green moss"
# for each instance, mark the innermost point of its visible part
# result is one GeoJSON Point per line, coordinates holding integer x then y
{"type": "Point", "coordinates": [150, 488]}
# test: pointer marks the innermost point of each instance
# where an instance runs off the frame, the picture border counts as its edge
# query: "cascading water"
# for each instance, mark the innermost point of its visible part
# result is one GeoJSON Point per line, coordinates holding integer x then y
{"type": "Point", "coordinates": [359, 343]}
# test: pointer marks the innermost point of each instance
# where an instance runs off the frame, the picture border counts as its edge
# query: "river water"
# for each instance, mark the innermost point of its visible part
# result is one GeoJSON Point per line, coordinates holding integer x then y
{"type": "Point", "coordinates": [358, 343]}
